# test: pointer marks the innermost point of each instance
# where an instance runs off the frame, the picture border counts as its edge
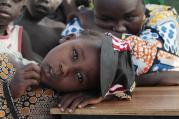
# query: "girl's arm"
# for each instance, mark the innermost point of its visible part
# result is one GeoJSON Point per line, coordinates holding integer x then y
{"type": "Point", "coordinates": [167, 78]}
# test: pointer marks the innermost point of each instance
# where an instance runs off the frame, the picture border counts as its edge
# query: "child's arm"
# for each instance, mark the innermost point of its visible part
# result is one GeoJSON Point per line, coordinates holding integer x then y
{"type": "Point", "coordinates": [24, 77]}
{"type": "Point", "coordinates": [167, 78]}
{"type": "Point", "coordinates": [27, 51]}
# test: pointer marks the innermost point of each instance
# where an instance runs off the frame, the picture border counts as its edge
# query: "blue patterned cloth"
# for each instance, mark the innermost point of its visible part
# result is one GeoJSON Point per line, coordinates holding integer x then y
{"type": "Point", "coordinates": [73, 27]}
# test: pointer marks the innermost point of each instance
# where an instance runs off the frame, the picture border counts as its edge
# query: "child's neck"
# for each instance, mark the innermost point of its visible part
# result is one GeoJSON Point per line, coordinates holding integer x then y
{"type": "Point", "coordinates": [27, 16]}
{"type": "Point", "coordinates": [3, 30]}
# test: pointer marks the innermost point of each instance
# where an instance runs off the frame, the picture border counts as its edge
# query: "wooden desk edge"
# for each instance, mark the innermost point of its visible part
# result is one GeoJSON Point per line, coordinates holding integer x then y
{"type": "Point", "coordinates": [128, 112]}
{"type": "Point", "coordinates": [172, 111]}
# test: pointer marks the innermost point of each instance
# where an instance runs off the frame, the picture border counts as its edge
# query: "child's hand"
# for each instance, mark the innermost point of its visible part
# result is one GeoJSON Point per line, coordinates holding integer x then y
{"type": "Point", "coordinates": [71, 101]}
{"type": "Point", "coordinates": [25, 77]}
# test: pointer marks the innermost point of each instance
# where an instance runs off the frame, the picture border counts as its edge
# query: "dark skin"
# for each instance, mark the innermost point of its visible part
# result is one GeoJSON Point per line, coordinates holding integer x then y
{"type": "Point", "coordinates": [75, 66]}
{"type": "Point", "coordinates": [77, 70]}
{"type": "Point", "coordinates": [32, 21]}
{"type": "Point", "coordinates": [107, 19]}
{"type": "Point", "coordinates": [25, 77]}
{"type": "Point", "coordinates": [128, 20]}
{"type": "Point", "coordinates": [10, 10]}
{"type": "Point", "coordinates": [101, 19]}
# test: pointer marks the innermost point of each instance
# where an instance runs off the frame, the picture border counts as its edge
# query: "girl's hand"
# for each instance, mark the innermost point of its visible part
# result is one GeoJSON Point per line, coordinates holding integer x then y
{"type": "Point", "coordinates": [25, 77]}
{"type": "Point", "coordinates": [71, 101]}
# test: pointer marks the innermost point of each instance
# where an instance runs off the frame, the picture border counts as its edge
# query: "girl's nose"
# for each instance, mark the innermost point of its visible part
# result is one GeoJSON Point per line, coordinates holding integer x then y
{"type": "Point", "coordinates": [66, 69]}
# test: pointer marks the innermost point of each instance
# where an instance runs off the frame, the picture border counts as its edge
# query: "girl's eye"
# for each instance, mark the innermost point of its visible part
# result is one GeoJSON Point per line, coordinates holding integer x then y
{"type": "Point", "coordinates": [74, 55]}
{"type": "Point", "coordinates": [79, 77]}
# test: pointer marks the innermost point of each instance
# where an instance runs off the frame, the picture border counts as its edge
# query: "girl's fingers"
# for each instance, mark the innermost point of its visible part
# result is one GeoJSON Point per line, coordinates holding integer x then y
{"type": "Point", "coordinates": [31, 82]}
{"type": "Point", "coordinates": [32, 67]}
{"type": "Point", "coordinates": [32, 75]}
{"type": "Point", "coordinates": [90, 101]}
{"type": "Point", "coordinates": [68, 100]}
{"type": "Point", "coordinates": [75, 104]}
{"type": "Point", "coordinates": [65, 101]}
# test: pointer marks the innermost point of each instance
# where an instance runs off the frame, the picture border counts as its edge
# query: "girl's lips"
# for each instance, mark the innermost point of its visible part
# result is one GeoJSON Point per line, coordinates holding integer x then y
{"type": "Point", "coordinates": [48, 72]}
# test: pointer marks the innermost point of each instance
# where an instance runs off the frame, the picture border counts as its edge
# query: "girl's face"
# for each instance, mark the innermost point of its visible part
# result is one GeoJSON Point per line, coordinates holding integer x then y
{"type": "Point", "coordinates": [41, 8]}
{"type": "Point", "coordinates": [72, 66]}
{"type": "Point", "coordinates": [122, 16]}
{"type": "Point", "coordinates": [9, 10]}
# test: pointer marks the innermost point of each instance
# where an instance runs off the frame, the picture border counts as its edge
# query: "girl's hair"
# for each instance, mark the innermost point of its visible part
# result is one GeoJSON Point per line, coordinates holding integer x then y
{"type": "Point", "coordinates": [91, 35]}
{"type": "Point", "coordinates": [86, 35]}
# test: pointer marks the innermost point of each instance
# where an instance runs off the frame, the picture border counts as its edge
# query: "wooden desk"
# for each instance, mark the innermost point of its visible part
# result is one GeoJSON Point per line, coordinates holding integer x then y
{"type": "Point", "coordinates": [146, 101]}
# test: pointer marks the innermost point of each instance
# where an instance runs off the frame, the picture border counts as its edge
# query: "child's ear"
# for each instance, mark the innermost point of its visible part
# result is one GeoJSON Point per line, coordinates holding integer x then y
{"type": "Point", "coordinates": [67, 38]}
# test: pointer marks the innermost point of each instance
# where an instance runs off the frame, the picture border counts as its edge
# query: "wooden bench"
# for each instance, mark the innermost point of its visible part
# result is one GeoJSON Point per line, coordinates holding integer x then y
{"type": "Point", "coordinates": [158, 101]}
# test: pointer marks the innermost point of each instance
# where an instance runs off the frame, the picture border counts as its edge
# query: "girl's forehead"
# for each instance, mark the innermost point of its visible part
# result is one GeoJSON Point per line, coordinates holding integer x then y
{"type": "Point", "coordinates": [80, 42]}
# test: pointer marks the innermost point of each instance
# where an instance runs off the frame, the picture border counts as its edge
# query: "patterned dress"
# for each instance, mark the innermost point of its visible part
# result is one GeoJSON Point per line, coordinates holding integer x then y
{"type": "Point", "coordinates": [159, 39]}
{"type": "Point", "coordinates": [35, 103]}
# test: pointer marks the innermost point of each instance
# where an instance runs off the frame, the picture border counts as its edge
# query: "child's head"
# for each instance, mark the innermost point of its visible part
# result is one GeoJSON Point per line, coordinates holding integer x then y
{"type": "Point", "coordinates": [87, 64]}
{"type": "Point", "coordinates": [122, 16]}
{"type": "Point", "coordinates": [73, 65]}
{"type": "Point", "coordinates": [9, 10]}
{"type": "Point", "coordinates": [41, 8]}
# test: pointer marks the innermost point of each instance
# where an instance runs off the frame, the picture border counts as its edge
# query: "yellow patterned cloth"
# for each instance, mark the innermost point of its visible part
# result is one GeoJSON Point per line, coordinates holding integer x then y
{"type": "Point", "coordinates": [159, 13]}
{"type": "Point", "coordinates": [6, 68]}
{"type": "Point", "coordinates": [34, 104]}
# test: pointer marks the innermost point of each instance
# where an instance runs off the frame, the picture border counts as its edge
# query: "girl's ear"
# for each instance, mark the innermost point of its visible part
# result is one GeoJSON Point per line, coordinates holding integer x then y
{"type": "Point", "coordinates": [67, 38]}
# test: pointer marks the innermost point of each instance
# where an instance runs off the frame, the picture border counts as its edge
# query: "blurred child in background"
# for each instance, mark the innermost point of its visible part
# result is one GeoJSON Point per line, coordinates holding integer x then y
{"type": "Point", "coordinates": [43, 36]}
{"type": "Point", "coordinates": [12, 36]}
